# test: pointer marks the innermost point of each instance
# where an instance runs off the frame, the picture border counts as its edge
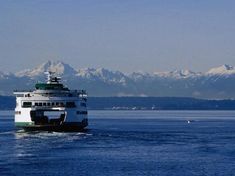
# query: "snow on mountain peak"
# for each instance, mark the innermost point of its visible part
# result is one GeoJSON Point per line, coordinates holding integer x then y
{"type": "Point", "coordinates": [183, 73]}
{"type": "Point", "coordinates": [55, 66]}
{"type": "Point", "coordinates": [106, 75]}
{"type": "Point", "coordinates": [222, 70]}
{"type": "Point", "coordinates": [99, 72]}
{"type": "Point", "coordinates": [177, 74]}
{"type": "Point", "coordinates": [2, 75]}
{"type": "Point", "coordinates": [140, 75]}
{"type": "Point", "coordinates": [102, 74]}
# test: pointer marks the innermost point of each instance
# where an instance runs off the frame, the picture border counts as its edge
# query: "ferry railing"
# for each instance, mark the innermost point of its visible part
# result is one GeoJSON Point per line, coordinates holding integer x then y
{"type": "Point", "coordinates": [19, 91]}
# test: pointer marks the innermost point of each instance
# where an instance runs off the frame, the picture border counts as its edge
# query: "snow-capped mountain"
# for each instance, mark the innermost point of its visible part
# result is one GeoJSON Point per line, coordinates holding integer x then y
{"type": "Point", "coordinates": [5, 75]}
{"type": "Point", "coordinates": [222, 70]}
{"type": "Point", "coordinates": [177, 74]}
{"type": "Point", "coordinates": [102, 74]}
{"type": "Point", "coordinates": [217, 83]}
{"type": "Point", "coordinates": [138, 76]}
{"type": "Point", "coordinates": [55, 66]}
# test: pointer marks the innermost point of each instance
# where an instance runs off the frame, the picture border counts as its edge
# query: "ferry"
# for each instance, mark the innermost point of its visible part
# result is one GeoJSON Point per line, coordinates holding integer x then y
{"type": "Point", "coordinates": [51, 106]}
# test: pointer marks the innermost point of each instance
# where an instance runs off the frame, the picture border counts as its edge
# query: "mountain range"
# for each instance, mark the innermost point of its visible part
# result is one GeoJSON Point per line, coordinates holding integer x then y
{"type": "Point", "coordinates": [217, 83]}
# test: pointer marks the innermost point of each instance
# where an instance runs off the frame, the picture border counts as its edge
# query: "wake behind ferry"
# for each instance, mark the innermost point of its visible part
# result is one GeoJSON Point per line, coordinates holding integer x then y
{"type": "Point", "coordinates": [52, 107]}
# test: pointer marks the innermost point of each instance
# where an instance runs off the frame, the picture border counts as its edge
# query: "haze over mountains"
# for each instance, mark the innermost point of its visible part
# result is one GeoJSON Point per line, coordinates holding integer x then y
{"type": "Point", "coordinates": [217, 83]}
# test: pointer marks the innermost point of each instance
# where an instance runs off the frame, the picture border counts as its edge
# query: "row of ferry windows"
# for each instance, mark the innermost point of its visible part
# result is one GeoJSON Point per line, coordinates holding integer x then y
{"type": "Point", "coordinates": [61, 104]}
{"type": "Point", "coordinates": [78, 112]}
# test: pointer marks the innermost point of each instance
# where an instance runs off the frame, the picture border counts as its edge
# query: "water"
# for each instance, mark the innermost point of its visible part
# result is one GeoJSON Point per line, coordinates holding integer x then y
{"type": "Point", "coordinates": [125, 143]}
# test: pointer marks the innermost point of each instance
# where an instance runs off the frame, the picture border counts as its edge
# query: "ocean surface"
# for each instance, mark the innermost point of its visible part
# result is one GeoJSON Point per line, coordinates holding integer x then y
{"type": "Point", "coordinates": [164, 143]}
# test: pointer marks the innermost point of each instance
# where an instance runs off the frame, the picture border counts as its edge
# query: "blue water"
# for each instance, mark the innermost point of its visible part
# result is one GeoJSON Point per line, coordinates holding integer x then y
{"type": "Point", "coordinates": [125, 143]}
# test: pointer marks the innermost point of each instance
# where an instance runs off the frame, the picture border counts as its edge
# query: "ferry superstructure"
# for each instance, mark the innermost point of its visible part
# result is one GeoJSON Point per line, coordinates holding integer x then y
{"type": "Point", "coordinates": [51, 106]}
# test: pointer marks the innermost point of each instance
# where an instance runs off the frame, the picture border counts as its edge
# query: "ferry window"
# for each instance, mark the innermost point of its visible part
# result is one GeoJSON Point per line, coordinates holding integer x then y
{"type": "Point", "coordinates": [18, 112]}
{"type": "Point", "coordinates": [61, 104]}
{"type": "Point", "coordinates": [36, 104]}
{"type": "Point", "coordinates": [48, 104]}
{"type": "Point", "coordinates": [57, 103]}
{"type": "Point", "coordinates": [44, 104]}
{"type": "Point", "coordinates": [27, 104]}
{"type": "Point", "coordinates": [39, 104]}
{"type": "Point", "coordinates": [83, 104]}
{"type": "Point", "coordinates": [53, 104]}
{"type": "Point", "coordinates": [70, 104]}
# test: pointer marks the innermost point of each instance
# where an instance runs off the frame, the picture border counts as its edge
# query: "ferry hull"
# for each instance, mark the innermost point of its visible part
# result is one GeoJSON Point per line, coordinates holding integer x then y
{"type": "Point", "coordinates": [64, 127]}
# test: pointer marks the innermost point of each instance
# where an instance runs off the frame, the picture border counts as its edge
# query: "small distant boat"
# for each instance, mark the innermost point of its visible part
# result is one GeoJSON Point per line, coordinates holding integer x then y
{"type": "Point", "coordinates": [188, 121]}
{"type": "Point", "coordinates": [51, 107]}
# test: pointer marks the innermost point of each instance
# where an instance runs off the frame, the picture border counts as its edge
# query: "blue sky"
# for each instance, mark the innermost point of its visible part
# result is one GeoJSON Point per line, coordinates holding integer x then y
{"type": "Point", "coordinates": [125, 35]}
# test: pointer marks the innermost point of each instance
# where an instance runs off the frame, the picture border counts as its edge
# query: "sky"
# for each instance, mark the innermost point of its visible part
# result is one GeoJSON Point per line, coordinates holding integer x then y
{"type": "Point", "coordinates": [125, 35]}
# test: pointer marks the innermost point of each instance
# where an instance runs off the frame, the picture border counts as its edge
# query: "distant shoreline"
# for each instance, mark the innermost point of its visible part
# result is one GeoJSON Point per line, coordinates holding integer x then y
{"type": "Point", "coordinates": [142, 103]}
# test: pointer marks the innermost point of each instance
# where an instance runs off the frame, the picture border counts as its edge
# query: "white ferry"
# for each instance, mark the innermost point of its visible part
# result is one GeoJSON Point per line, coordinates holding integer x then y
{"type": "Point", "coordinates": [51, 106]}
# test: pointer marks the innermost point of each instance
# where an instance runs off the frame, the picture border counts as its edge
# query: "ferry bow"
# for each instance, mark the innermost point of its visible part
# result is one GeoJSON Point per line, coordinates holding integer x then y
{"type": "Point", "coordinates": [51, 106]}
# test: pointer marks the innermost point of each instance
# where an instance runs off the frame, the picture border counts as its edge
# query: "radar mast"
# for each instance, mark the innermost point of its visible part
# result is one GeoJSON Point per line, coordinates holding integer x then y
{"type": "Point", "coordinates": [51, 78]}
